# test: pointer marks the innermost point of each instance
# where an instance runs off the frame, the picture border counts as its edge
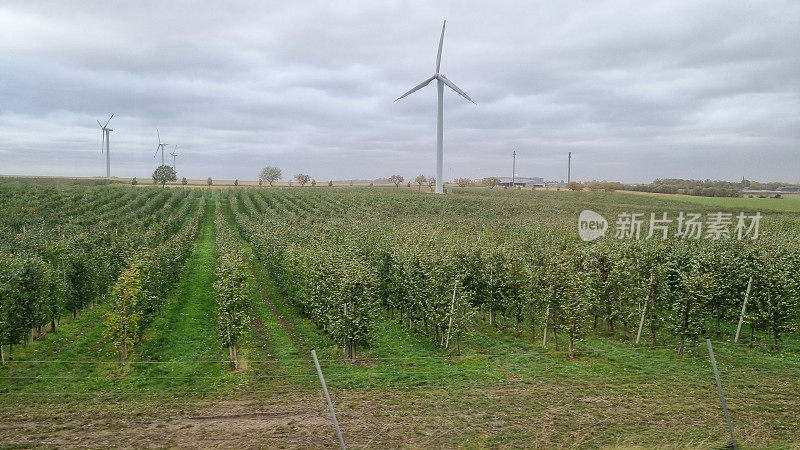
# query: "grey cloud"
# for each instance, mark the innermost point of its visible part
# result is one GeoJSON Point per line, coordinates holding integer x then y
{"type": "Point", "coordinates": [635, 90]}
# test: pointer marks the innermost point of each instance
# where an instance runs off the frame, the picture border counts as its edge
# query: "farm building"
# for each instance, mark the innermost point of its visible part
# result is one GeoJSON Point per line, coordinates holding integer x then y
{"type": "Point", "coordinates": [522, 181]}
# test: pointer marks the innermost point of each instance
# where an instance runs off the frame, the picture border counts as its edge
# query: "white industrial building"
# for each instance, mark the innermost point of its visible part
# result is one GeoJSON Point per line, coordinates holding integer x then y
{"type": "Point", "coordinates": [522, 181]}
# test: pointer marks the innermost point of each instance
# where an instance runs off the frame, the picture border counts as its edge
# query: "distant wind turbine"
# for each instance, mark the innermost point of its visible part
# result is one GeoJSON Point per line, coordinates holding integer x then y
{"type": "Point", "coordinates": [106, 134]}
{"type": "Point", "coordinates": [441, 81]}
{"type": "Point", "coordinates": [173, 157]}
{"type": "Point", "coordinates": [161, 146]}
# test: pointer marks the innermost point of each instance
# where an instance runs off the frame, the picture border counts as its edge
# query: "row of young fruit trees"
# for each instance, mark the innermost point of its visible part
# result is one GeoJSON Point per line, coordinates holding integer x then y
{"type": "Point", "coordinates": [65, 247]}
{"type": "Point", "coordinates": [434, 264]}
{"type": "Point", "coordinates": [342, 260]}
{"type": "Point", "coordinates": [80, 245]}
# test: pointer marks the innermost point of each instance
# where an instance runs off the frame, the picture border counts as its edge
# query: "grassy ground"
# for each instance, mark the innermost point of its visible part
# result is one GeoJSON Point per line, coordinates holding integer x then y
{"type": "Point", "coordinates": [771, 204]}
{"type": "Point", "coordinates": [612, 395]}
{"type": "Point", "coordinates": [502, 390]}
{"type": "Point", "coordinates": [186, 330]}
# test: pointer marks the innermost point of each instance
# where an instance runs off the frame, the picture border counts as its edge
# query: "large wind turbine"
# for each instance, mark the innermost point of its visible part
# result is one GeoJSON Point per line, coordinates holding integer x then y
{"type": "Point", "coordinates": [161, 146]}
{"type": "Point", "coordinates": [106, 134]}
{"type": "Point", "coordinates": [173, 154]}
{"type": "Point", "coordinates": [441, 81]}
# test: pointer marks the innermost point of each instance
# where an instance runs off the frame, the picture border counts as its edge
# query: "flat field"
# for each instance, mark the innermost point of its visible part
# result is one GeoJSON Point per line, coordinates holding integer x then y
{"type": "Point", "coordinates": [494, 385]}
{"type": "Point", "coordinates": [789, 204]}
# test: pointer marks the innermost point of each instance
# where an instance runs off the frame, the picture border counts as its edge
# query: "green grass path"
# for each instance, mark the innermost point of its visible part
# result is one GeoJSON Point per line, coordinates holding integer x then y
{"type": "Point", "coordinates": [272, 337]}
{"type": "Point", "coordinates": [183, 337]}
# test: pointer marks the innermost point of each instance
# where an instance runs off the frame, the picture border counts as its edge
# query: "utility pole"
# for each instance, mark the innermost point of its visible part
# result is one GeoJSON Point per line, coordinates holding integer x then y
{"type": "Point", "coordinates": [513, 168]}
{"type": "Point", "coordinates": [569, 166]}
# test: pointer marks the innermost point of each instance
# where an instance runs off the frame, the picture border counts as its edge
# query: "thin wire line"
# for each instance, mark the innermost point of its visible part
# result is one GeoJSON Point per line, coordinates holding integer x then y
{"type": "Point", "coordinates": [381, 358]}
{"type": "Point", "coordinates": [373, 358]}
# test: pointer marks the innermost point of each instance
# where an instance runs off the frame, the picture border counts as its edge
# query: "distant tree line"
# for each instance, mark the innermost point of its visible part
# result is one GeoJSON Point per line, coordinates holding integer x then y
{"type": "Point", "coordinates": [704, 188]}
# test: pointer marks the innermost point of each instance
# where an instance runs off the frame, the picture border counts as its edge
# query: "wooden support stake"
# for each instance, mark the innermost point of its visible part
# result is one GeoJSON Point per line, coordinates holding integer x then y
{"type": "Point", "coordinates": [546, 319]}
{"type": "Point", "coordinates": [744, 305]}
{"type": "Point", "coordinates": [452, 312]}
{"type": "Point", "coordinates": [644, 310]}
{"type": "Point", "coordinates": [641, 321]}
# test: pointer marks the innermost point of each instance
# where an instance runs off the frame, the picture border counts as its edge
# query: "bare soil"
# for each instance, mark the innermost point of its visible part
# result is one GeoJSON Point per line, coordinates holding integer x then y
{"type": "Point", "coordinates": [511, 415]}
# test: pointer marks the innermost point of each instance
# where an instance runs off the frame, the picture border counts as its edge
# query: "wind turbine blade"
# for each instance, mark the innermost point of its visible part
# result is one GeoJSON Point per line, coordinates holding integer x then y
{"type": "Point", "coordinates": [157, 149]}
{"type": "Point", "coordinates": [417, 87]}
{"type": "Point", "coordinates": [109, 120]}
{"type": "Point", "coordinates": [101, 125]}
{"type": "Point", "coordinates": [159, 136]}
{"type": "Point", "coordinates": [439, 55]}
{"type": "Point", "coordinates": [102, 139]}
{"type": "Point", "coordinates": [452, 86]}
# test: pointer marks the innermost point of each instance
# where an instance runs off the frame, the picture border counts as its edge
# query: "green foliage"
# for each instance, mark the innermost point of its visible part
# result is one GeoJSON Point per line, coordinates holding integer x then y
{"type": "Point", "coordinates": [80, 238]}
{"type": "Point", "coordinates": [706, 188]}
{"type": "Point", "coordinates": [776, 293]}
{"type": "Point", "coordinates": [270, 174]}
{"type": "Point", "coordinates": [232, 287]}
{"type": "Point", "coordinates": [506, 271]}
{"type": "Point", "coordinates": [209, 181]}
{"type": "Point", "coordinates": [122, 320]}
{"type": "Point", "coordinates": [134, 181]}
{"type": "Point", "coordinates": [24, 297]}
{"type": "Point", "coordinates": [164, 174]}
{"type": "Point", "coordinates": [341, 255]}
{"type": "Point", "coordinates": [336, 292]}
{"type": "Point", "coordinates": [184, 181]}
{"type": "Point", "coordinates": [80, 285]}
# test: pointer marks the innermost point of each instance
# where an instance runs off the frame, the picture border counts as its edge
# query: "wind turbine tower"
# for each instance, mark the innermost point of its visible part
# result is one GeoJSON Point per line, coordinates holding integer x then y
{"type": "Point", "coordinates": [161, 146]}
{"type": "Point", "coordinates": [569, 166]}
{"type": "Point", "coordinates": [106, 134]}
{"type": "Point", "coordinates": [173, 157]}
{"type": "Point", "coordinates": [441, 81]}
{"type": "Point", "coordinates": [513, 168]}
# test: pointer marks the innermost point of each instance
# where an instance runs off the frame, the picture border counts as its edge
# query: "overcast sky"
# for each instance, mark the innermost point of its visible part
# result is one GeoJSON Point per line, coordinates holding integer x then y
{"type": "Point", "coordinates": [635, 90]}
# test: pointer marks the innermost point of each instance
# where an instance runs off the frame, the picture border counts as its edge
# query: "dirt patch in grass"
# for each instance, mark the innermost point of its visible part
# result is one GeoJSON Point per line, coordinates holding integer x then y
{"type": "Point", "coordinates": [258, 326]}
{"type": "Point", "coordinates": [288, 326]}
{"type": "Point", "coordinates": [543, 414]}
